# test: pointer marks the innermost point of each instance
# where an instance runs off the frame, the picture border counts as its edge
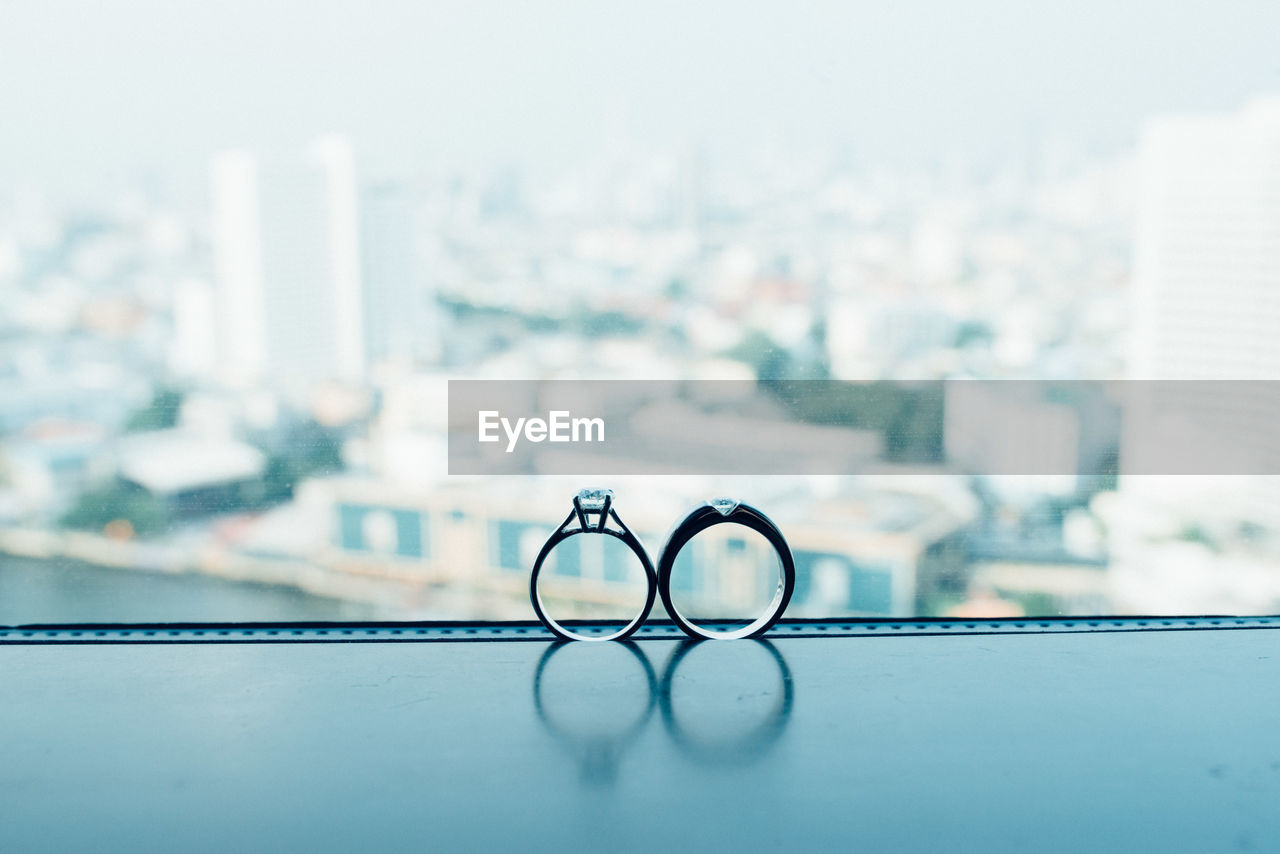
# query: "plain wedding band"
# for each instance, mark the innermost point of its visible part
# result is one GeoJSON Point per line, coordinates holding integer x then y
{"type": "Point", "coordinates": [721, 511]}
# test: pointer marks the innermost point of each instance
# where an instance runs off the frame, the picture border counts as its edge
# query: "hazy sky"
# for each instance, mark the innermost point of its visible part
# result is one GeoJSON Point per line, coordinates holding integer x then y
{"type": "Point", "coordinates": [93, 93]}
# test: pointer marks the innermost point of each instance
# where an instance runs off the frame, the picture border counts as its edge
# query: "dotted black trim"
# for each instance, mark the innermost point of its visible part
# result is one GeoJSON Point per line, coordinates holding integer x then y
{"type": "Point", "coordinates": [532, 631]}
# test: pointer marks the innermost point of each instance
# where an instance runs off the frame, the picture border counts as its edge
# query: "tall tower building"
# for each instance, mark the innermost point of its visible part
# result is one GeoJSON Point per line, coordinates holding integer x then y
{"type": "Point", "coordinates": [193, 347]}
{"type": "Point", "coordinates": [1207, 263]}
{"type": "Point", "coordinates": [287, 250]}
{"type": "Point", "coordinates": [1207, 303]}
{"type": "Point", "coordinates": [240, 334]}
{"type": "Point", "coordinates": [399, 321]}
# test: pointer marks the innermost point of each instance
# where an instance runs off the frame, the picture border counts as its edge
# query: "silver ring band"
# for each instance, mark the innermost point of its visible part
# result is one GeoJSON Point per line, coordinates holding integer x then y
{"type": "Point", "coordinates": [592, 513]}
{"type": "Point", "coordinates": [721, 511]}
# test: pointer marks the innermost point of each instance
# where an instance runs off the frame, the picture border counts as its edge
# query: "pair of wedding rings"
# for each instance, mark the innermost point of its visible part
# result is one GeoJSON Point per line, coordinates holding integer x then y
{"type": "Point", "coordinates": [593, 513]}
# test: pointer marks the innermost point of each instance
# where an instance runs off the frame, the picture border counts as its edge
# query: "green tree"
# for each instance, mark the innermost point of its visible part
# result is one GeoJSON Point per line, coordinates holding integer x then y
{"type": "Point", "coordinates": [770, 362]}
{"type": "Point", "coordinates": [160, 414]}
{"type": "Point", "coordinates": [118, 500]}
{"type": "Point", "coordinates": [310, 450]}
{"type": "Point", "coordinates": [909, 417]}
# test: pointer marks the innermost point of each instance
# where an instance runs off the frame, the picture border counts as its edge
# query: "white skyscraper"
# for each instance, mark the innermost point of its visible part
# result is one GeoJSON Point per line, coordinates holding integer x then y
{"type": "Point", "coordinates": [287, 253]}
{"type": "Point", "coordinates": [240, 324]}
{"type": "Point", "coordinates": [193, 348]}
{"type": "Point", "coordinates": [399, 321]}
{"type": "Point", "coordinates": [1207, 264]}
{"type": "Point", "coordinates": [332, 158]}
{"type": "Point", "coordinates": [1207, 303]}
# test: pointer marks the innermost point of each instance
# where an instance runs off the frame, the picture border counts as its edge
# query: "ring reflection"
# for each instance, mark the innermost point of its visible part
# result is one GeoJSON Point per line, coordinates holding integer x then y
{"type": "Point", "coordinates": [594, 700]}
{"type": "Point", "coordinates": [726, 704]}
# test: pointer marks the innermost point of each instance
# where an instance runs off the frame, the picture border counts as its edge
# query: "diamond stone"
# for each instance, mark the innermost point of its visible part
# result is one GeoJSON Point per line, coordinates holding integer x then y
{"type": "Point", "coordinates": [724, 506]}
{"type": "Point", "coordinates": [593, 499]}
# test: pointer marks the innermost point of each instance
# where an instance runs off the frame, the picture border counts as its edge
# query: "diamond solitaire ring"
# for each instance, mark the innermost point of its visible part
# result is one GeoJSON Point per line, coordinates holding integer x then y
{"type": "Point", "coordinates": [593, 513]}
{"type": "Point", "coordinates": [721, 511]}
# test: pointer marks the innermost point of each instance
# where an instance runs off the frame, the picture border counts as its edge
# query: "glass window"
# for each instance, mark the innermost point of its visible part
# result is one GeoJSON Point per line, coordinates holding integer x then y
{"type": "Point", "coordinates": [228, 324]}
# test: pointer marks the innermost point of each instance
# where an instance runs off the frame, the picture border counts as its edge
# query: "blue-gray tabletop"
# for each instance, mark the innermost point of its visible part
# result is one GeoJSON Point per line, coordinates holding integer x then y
{"type": "Point", "coordinates": [1112, 737]}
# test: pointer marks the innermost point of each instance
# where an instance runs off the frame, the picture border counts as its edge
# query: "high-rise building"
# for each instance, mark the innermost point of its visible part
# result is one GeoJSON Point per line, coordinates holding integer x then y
{"type": "Point", "coordinates": [193, 347]}
{"type": "Point", "coordinates": [1207, 306]}
{"type": "Point", "coordinates": [287, 258]}
{"type": "Point", "coordinates": [1207, 263]}
{"type": "Point", "coordinates": [239, 320]}
{"type": "Point", "coordinates": [399, 321]}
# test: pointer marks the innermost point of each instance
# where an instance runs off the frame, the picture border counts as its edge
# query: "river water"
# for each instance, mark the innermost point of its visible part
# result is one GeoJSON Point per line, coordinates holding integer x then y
{"type": "Point", "coordinates": [66, 591]}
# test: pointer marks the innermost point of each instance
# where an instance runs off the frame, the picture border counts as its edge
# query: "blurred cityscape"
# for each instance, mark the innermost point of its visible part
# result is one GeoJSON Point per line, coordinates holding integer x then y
{"type": "Point", "coordinates": [253, 389]}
